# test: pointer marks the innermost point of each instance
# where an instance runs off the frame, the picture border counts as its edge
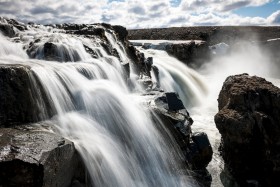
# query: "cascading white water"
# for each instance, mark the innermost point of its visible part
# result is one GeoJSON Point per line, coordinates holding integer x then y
{"type": "Point", "coordinates": [119, 47]}
{"type": "Point", "coordinates": [246, 58]}
{"type": "Point", "coordinates": [66, 49]}
{"type": "Point", "coordinates": [112, 131]}
{"type": "Point", "coordinates": [8, 48]}
{"type": "Point", "coordinates": [175, 76]}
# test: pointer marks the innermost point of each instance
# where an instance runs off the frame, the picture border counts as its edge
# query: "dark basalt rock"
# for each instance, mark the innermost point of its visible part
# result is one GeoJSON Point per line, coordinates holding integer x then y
{"type": "Point", "coordinates": [91, 31]}
{"type": "Point", "coordinates": [7, 30]}
{"type": "Point", "coordinates": [19, 92]}
{"type": "Point", "coordinates": [121, 32]}
{"type": "Point", "coordinates": [169, 109]}
{"type": "Point", "coordinates": [249, 122]}
{"type": "Point", "coordinates": [177, 121]}
{"type": "Point", "coordinates": [193, 53]}
{"type": "Point", "coordinates": [200, 143]}
{"type": "Point", "coordinates": [31, 157]}
{"type": "Point", "coordinates": [190, 53]}
{"type": "Point", "coordinates": [8, 26]}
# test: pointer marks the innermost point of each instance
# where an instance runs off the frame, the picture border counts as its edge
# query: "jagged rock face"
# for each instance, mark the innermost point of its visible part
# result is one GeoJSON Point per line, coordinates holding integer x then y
{"type": "Point", "coordinates": [249, 122]}
{"type": "Point", "coordinates": [18, 96]}
{"type": "Point", "coordinates": [9, 26]}
{"type": "Point", "coordinates": [190, 53]}
{"type": "Point", "coordinates": [193, 53]}
{"type": "Point", "coordinates": [169, 108]}
{"type": "Point", "coordinates": [30, 157]}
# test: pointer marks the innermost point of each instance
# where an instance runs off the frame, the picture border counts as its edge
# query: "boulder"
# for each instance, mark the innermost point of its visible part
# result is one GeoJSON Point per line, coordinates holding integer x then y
{"type": "Point", "coordinates": [201, 146]}
{"type": "Point", "coordinates": [22, 99]}
{"type": "Point", "coordinates": [169, 109]}
{"type": "Point", "coordinates": [249, 122]}
{"type": "Point", "coordinates": [30, 157]}
{"type": "Point", "coordinates": [7, 30]}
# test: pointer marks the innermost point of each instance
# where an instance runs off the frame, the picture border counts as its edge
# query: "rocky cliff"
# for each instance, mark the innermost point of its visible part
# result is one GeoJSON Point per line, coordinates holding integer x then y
{"type": "Point", "coordinates": [249, 122]}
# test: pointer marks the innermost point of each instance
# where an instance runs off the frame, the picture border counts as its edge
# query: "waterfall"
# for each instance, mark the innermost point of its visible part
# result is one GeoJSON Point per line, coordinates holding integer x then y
{"type": "Point", "coordinates": [113, 132]}
{"type": "Point", "coordinates": [204, 85]}
{"type": "Point", "coordinates": [176, 76]}
{"type": "Point", "coordinates": [8, 48]}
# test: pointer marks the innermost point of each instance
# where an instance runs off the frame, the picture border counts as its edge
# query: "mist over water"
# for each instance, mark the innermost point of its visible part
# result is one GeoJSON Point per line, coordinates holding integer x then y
{"type": "Point", "coordinates": [243, 57]}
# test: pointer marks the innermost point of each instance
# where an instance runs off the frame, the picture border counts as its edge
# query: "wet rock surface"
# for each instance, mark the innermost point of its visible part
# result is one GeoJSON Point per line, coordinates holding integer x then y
{"type": "Point", "coordinates": [31, 157]}
{"type": "Point", "coordinates": [8, 27]}
{"type": "Point", "coordinates": [249, 122]}
{"type": "Point", "coordinates": [169, 109]}
{"type": "Point", "coordinates": [18, 95]}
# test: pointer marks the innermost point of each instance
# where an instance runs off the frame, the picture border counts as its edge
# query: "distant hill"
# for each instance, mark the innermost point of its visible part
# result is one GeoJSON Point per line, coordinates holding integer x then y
{"type": "Point", "coordinates": [211, 34]}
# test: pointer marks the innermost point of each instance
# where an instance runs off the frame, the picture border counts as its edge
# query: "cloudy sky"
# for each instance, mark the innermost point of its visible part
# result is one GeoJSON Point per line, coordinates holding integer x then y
{"type": "Point", "coordinates": [145, 13]}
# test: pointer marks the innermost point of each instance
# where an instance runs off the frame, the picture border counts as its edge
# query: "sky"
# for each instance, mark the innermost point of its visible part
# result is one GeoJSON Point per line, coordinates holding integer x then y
{"type": "Point", "coordinates": [145, 13]}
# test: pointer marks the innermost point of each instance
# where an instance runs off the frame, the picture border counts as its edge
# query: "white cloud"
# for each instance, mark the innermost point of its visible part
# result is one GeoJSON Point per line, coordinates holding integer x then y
{"type": "Point", "coordinates": [135, 13]}
{"type": "Point", "coordinates": [274, 18]}
{"type": "Point", "coordinates": [219, 5]}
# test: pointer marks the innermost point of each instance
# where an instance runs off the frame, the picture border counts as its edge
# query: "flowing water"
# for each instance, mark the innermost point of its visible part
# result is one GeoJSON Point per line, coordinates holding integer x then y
{"type": "Point", "coordinates": [112, 130]}
{"type": "Point", "coordinates": [199, 90]}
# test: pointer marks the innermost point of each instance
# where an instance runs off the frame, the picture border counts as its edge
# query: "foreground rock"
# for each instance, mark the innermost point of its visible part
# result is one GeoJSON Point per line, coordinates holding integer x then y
{"type": "Point", "coordinates": [30, 157]}
{"type": "Point", "coordinates": [249, 122]}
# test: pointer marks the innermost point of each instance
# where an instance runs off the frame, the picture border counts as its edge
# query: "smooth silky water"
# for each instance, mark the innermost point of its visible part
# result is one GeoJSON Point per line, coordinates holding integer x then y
{"type": "Point", "coordinates": [111, 128]}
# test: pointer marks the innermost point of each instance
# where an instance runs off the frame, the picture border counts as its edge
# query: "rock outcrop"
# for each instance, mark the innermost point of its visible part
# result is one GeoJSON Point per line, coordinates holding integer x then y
{"type": "Point", "coordinates": [168, 108]}
{"type": "Point", "coordinates": [19, 92]}
{"type": "Point", "coordinates": [31, 157]}
{"type": "Point", "coordinates": [193, 53]}
{"type": "Point", "coordinates": [8, 27]}
{"type": "Point", "coordinates": [249, 122]}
